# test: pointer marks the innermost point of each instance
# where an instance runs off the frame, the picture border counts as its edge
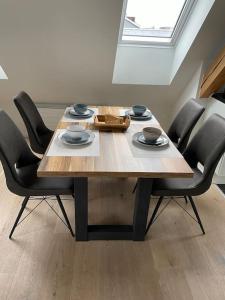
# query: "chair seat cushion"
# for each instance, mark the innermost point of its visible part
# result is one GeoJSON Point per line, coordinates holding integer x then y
{"type": "Point", "coordinates": [37, 186]}
{"type": "Point", "coordinates": [52, 186]}
{"type": "Point", "coordinates": [177, 186]}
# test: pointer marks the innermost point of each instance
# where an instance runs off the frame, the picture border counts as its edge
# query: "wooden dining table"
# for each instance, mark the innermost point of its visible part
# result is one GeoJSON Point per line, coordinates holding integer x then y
{"type": "Point", "coordinates": [117, 156]}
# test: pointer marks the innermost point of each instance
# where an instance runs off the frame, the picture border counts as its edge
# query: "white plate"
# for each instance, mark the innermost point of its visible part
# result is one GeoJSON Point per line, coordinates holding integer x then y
{"type": "Point", "coordinates": [69, 137]}
{"type": "Point", "coordinates": [90, 140]}
{"type": "Point", "coordinates": [142, 140]}
{"type": "Point", "coordinates": [137, 138]}
{"type": "Point", "coordinates": [146, 116]}
{"type": "Point", "coordinates": [89, 113]}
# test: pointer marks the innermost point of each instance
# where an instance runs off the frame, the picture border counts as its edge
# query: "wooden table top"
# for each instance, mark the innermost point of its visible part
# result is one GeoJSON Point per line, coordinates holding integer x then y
{"type": "Point", "coordinates": [115, 159]}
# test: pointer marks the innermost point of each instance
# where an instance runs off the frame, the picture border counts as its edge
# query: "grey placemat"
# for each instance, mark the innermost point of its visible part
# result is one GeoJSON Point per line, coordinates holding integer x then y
{"type": "Point", "coordinates": [150, 122]}
{"type": "Point", "coordinates": [57, 148]}
{"type": "Point", "coordinates": [141, 151]}
{"type": "Point", "coordinates": [67, 117]}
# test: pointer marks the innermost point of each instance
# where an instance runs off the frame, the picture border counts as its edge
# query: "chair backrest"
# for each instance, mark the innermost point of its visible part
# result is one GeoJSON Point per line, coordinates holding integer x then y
{"type": "Point", "coordinates": [206, 148]}
{"type": "Point", "coordinates": [15, 155]}
{"type": "Point", "coordinates": [32, 120]}
{"type": "Point", "coordinates": [184, 122]}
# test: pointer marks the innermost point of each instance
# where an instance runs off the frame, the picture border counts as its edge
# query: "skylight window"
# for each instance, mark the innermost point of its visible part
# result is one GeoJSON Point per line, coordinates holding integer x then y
{"type": "Point", "coordinates": [154, 20]}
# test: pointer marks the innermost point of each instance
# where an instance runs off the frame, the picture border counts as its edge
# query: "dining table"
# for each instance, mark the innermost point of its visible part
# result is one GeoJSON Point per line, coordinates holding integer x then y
{"type": "Point", "coordinates": [112, 154]}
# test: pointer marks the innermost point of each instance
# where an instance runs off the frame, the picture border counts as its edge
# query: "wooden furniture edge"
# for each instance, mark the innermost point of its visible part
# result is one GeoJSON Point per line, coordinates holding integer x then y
{"type": "Point", "coordinates": [214, 77]}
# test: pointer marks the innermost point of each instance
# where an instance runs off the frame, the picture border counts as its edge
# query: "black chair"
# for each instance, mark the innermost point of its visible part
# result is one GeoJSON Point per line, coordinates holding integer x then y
{"type": "Point", "coordinates": [183, 124]}
{"type": "Point", "coordinates": [206, 149]}
{"type": "Point", "coordinates": [20, 167]}
{"type": "Point", "coordinates": [39, 134]}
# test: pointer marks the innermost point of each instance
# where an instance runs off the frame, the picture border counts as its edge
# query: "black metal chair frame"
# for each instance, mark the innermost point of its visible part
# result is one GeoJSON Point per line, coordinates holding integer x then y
{"type": "Point", "coordinates": [24, 204]}
{"type": "Point", "coordinates": [20, 167]}
{"type": "Point", "coordinates": [206, 148]}
{"type": "Point", "coordinates": [39, 134]}
{"type": "Point", "coordinates": [159, 202]}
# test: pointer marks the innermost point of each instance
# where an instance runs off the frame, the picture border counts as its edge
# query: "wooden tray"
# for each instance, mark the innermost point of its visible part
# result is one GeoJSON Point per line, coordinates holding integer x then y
{"type": "Point", "coordinates": [110, 122]}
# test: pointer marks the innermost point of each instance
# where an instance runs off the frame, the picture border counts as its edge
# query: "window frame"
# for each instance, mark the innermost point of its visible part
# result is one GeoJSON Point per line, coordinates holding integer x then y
{"type": "Point", "coordinates": [157, 41]}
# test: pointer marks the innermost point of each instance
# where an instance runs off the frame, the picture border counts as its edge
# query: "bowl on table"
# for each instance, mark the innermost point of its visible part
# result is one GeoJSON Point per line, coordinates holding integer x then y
{"type": "Point", "coordinates": [75, 131]}
{"type": "Point", "coordinates": [80, 108]}
{"type": "Point", "coordinates": [139, 110]}
{"type": "Point", "coordinates": [151, 134]}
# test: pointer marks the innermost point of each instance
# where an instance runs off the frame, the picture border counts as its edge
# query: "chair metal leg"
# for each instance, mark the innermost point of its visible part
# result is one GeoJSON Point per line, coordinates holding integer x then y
{"type": "Point", "coordinates": [64, 214]}
{"type": "Point", "coordinates": [186, 199]}
{"type": "Point", "coordinates": [196, 213]}
{"type": "Point", "coordinates": [19, 215]}
{"type": "Point", "coordinates": [154, 213]}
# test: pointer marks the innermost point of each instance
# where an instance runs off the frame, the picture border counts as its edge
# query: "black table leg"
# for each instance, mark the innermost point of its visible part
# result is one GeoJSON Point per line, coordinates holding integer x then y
{"type": "Point", "coordinates": [142, 200]}
{"type": "Point", "coordinates": [136, 231]}
{"type": "Point", "coordinates": [81, 208]}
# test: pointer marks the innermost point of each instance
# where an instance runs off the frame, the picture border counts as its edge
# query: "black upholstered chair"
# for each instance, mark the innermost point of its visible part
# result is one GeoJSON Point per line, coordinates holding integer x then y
{"type": "Point", "coordinates": [39, 134]}
{"type": "Point", "coordinates": [206, 149]}
{"type": "Point", "coordinates": [20, 167]}
{"type": "Point", "coordinates": [183, 124]}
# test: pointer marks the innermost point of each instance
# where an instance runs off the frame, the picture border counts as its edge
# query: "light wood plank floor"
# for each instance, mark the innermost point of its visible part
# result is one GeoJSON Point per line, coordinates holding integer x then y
{"type": "Point", "coordinates": [175, 262]}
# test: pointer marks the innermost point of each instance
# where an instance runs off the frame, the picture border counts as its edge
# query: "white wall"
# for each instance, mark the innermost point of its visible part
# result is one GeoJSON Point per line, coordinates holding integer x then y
{"type": "Point", "coordinates": [142, 65]}
{"type": "Point", "coordinates": [191, 90]}
{"type": "Point", "coordinates": [64, 51]}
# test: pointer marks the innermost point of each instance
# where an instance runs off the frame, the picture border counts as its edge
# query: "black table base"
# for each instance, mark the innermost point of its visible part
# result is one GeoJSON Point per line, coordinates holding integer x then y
{"type": "Point", "coordinates": [135, 232]}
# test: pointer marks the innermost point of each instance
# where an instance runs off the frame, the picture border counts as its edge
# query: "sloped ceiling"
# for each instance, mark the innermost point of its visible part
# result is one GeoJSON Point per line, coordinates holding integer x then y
{"type": "Point", "coordinates": [64, 51]}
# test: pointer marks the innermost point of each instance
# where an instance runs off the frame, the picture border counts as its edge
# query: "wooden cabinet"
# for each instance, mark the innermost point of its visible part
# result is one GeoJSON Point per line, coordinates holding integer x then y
{"type": "Point", "coordinates": [214, 78]}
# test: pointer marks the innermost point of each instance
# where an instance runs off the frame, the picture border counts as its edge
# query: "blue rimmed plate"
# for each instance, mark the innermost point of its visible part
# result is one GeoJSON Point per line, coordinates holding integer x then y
{"type": "Point", "coordinates": [89, 113]}
{"type": "Point", "coordinates": [145, 117]}
{"type": "Point", "coordinates": [87, 137]}
{"type": "Point", "coordinates": [160, 142]}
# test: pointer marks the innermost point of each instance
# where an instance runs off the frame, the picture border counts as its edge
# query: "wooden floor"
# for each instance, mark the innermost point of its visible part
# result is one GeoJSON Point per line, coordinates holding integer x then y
{"type": "Point", "coordinates": [175, 262]}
